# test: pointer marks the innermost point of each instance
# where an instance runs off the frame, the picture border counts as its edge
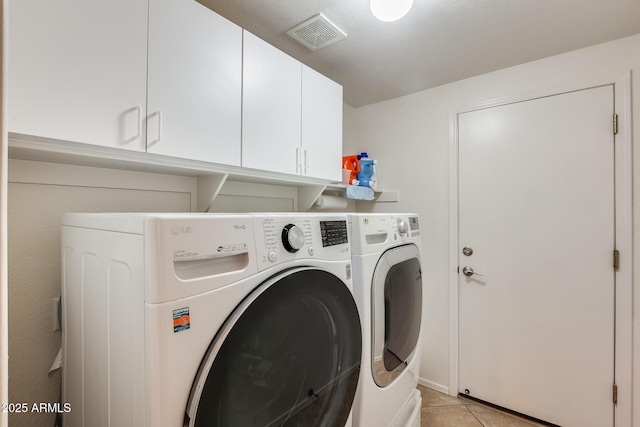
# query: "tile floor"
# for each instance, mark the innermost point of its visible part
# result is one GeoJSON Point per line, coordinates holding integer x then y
{"type": "Point", "coordinates": [441, 410]}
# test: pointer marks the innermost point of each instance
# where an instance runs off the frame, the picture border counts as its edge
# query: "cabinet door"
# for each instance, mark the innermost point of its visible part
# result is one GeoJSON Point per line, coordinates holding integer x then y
{"type": "Point", "coordinates": [271, 107]}
{"type": "Point", "coordinates": [78, 70]}
{"type": "Point", "coordinates": [321, 125]}
{"type": "Point", "coordinates": [194, 87]}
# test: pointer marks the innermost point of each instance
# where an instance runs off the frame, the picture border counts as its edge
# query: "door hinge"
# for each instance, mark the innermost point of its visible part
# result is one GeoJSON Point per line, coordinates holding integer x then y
{"type": "Point", "coordinates": [616, 259]}
{"type": "Point", "coordinates": [615, 124]}
{"type": "Point", "coordinates": [615, 394]}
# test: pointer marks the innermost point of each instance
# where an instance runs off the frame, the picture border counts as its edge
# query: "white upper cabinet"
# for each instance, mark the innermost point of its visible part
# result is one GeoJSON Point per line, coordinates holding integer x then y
{"type": "Point", "coordinates": [167, 77]}
{"type": "Point", "coordinates": [77, 70]}
{"type": "Point", "coordinates": [321, 126]}
{"type": "Point", "coordinates": [195, 83]}
{"type": "Point", "coordinates": [271, 108]}
{"type": "Point", "coordinates": [292, 115]}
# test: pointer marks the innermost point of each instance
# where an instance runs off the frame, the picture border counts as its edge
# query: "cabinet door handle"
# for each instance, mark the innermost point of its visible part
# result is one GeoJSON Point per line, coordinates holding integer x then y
{"type": "Point", "coordinates": [139, 134]}
{"type": "Point", "coordinates": [307, 160]}
{"type": "Point", "coordinates": [298, 161]}
{"type": "Point", "coordinates": [155, 141]}
{"type": "Point", "coordinates": [138, 110]}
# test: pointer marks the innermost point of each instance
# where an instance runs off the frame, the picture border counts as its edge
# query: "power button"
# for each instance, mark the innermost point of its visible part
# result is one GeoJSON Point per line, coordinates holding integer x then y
{"type": "Point", "coordinates": [273, 256]}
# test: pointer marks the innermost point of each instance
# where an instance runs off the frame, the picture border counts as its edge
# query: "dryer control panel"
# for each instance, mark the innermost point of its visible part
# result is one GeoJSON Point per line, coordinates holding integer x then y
{"type": "Point", "coordinates": [414, 226]}
{"type": "Point", "coordinates": [373, 232]}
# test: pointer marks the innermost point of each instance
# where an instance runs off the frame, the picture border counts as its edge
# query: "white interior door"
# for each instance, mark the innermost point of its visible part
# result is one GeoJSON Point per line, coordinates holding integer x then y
{"type": "Point", "coordinates": [536, 206]}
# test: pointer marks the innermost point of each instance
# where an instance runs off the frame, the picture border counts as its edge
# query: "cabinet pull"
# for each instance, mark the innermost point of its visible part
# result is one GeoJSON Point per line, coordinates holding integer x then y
{"type": "Point", "coordinates": [155, 141]}
{"type": "Point", "coordinates": [298, 161]}
{"type": "Point", "coordinates": [139, 134]}
{"type": "Point", "coordinates": [307, 160]}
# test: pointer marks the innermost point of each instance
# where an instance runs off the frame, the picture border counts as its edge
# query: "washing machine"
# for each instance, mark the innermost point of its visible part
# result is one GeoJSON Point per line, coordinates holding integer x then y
{"type": "Point", "coordinates": [208, 320]}
{"type": "Point", "coordinates": [387, 283]}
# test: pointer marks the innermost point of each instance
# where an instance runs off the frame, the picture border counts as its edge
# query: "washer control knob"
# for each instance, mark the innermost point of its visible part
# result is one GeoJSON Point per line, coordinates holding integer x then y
{"type": "Point", "coordinates": [403, 228]}
{"type": "Point", "coordinates": [292, 238]}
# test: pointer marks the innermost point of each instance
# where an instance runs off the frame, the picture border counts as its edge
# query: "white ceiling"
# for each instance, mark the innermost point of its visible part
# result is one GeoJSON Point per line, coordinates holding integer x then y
{"type": "Point", "coordinates": [438, 42]}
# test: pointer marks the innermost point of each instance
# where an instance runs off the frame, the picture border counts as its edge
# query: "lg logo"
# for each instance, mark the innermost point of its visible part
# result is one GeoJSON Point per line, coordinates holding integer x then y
{"type": "Point", "coordinates": [177, 230]}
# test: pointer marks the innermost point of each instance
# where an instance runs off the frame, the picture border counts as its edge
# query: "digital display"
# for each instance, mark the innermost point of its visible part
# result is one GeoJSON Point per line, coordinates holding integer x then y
{"type": "Point", "coordinates": [413, 223]}
{"type": "Point", "coordinates": [333, 233]}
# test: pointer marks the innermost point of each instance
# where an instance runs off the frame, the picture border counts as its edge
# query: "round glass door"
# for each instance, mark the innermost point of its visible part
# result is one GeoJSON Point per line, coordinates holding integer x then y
{"type": "Point", "coordinates": [288, 356]}
{"type": "Point", "coordinates": [396, 300]}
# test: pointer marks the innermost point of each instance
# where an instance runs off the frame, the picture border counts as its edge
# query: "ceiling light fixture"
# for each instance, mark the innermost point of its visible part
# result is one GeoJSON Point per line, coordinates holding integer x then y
{"type": "Point", "coordinates": [390, 10]}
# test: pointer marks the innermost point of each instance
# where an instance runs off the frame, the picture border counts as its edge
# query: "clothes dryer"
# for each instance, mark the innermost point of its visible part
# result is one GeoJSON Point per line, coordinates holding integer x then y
{"type": "Point", "coordinates": [387, 283]}
{"type": "Point", "coordinates": [208, 320]}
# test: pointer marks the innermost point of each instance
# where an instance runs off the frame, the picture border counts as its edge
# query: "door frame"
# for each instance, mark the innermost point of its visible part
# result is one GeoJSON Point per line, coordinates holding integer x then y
{"type": "Point", "coordinates": [623, 234]}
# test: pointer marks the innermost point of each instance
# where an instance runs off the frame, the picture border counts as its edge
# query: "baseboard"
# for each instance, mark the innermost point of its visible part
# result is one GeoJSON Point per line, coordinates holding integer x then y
{"type": "Point", "coordinates": [437, 387]}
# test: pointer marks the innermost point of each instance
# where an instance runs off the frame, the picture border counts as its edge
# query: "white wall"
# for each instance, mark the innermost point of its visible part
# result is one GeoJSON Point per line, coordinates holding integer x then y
{"type": "Point", "coordinates": [410, 136]}
{"type": "Point", "coordinates": [349, 130]}
{"type": "Point", "coordinates": [4, 326]}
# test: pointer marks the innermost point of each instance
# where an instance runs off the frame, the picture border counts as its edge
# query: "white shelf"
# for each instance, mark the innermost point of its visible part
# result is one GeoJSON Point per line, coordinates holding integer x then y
{"type": "Point", "coordinates": [211, 177]}
{"type": "Point", "coordinates": [383, 196]}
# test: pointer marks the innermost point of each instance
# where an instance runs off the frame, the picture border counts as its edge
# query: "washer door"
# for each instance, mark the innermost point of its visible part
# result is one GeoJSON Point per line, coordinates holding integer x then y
{"type": "Point", "coordinates": [396, 301]}
{"type": "Point", "coordinates": [288, 356]}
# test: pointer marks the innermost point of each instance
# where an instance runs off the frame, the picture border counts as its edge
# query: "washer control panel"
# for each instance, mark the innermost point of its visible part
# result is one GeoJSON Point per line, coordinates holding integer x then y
{"type": "Point", "coordinates": [333, 233]}
{"type": "Point", "coordinates": [286, 233]}
{"type": "Point", "coordinates": [283, 237]}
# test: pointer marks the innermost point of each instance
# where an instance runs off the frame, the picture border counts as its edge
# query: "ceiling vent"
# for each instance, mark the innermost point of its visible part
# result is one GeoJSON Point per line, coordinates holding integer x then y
{"type": "Point", "coordinates": [316, 32]}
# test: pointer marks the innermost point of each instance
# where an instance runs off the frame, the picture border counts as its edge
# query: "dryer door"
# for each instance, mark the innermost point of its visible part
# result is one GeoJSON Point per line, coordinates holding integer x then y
{"type": "Point", "coordinates": [288, 356]}
{"type": "Point", "coordinates": [396, 301]}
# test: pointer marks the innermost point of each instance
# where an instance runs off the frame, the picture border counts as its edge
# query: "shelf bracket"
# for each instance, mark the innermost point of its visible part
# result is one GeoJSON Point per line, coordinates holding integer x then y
{"type": "Point", "coordinates": [307, 196]}
{"type": "Point", "coordinates": [208, 188]}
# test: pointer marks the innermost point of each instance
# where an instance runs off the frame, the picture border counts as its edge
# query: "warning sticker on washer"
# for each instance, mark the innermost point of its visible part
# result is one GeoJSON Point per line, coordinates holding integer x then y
{"type": "Point", "coordinates": [181, 319]}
